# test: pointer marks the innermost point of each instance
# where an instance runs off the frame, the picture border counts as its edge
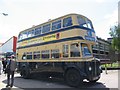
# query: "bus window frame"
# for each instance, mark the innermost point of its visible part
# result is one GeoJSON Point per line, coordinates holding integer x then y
{"type": "Point", "coordinates": [43, 52]}
{"type": "Point", "coordinates": [64, 51]}
{"type": "Point", "coordinates": [24, 34]}
{"type": "Point", "coordinates": [54, 52]}
{"type": "Point", "coordinates": [43, 30]}
{"type": "Point", "coordinates": [89, 24]}
{"type": "Point", "coordinates": [31, 33]}
{"type": "Point", "coordinates": [74, 53]}
{"type": "Point", "coordinates": [39, 29]}
{"type": "Point", "coordinates": [88, 47]}
{"type": "Point", "coordinates": [66, 24]}
{"type": "Point", "coordinates": [29, 54]}
{"type": "Point", "coordinates": [55, 25]}
{"type": "Point", "coordinates": [36, 53]}
{"type": "Point", "coordinates": [86, 20]}
{"type": "Point", "coordinates": [20, 36]}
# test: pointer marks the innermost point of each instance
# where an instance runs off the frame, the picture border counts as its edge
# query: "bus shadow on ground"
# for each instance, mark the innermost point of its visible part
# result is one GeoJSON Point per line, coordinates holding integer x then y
{"type": "Point", "coordinates": [19, 82]}
{"type": "Point", "coordinates": [61, 81]}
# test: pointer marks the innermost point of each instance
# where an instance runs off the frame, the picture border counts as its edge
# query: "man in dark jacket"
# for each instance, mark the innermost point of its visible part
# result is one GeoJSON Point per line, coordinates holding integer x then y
{"type": "Point", "coordinates": [4, 63]}
{"type": "Point", "coordinates": [11, 64]}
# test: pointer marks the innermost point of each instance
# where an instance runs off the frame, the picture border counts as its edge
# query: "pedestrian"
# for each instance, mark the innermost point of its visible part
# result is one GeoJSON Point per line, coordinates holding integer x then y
{"type": "Point", "coordinates": [10, 69]}
{"type": "Point", "coordinates": [4, 63]}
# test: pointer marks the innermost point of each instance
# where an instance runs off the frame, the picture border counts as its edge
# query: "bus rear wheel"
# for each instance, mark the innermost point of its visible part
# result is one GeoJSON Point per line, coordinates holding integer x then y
{"type": "Point", "coordinates": [73, 77]}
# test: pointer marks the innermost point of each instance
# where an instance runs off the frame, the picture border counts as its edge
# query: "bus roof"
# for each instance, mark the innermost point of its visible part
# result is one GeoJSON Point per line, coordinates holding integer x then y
{"type": "Point", "coordinates": [71, 14]}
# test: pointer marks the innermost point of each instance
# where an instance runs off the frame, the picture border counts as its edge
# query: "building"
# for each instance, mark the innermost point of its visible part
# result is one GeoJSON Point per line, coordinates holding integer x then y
{"type": "Point", "coordinates": [109, 40]}
{"type": "Point", "coordinates": [101, 50]}
{"type": "Point", "coordinates": [9, 47]}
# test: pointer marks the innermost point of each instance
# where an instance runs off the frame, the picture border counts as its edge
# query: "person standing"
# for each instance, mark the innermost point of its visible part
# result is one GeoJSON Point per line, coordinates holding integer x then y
{"type": "Point", "coordinates": [11, 65]}
{"type": "Point", "coordinates": [4, 63]}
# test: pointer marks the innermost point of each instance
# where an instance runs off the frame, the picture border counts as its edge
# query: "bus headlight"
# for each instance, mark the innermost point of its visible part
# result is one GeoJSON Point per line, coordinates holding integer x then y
{"type": "Point", "coordinates": [90, 68]}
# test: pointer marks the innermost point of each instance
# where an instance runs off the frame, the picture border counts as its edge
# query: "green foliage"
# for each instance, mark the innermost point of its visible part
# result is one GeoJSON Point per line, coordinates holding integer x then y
{"type": "Point", "coordinates": [112, 65]}
{"type": "Point", "coordinates": [115, 34]}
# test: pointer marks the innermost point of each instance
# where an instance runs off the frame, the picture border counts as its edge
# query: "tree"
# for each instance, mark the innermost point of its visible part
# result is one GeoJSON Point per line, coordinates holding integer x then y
{"type": "Point", "coordinates": [115, 34]}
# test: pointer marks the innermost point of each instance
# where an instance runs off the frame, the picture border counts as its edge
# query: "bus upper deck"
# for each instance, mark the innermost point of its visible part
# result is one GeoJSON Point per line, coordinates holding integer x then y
{"type": "Point", "coordinates": [59, 36]}
{"type": "Point", "coordinates": [66, 27]}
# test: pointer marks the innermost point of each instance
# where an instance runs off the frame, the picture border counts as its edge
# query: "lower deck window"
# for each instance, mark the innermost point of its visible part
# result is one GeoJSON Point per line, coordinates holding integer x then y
{"type": "Point", "coordinates": [85, 50]}
{"type": "Point", "coordinates": [65, 50]}
{"type": "Point", "coordinates": [36, 55]}
{"type": "Point", "coordinates": [74, 50]}
{"type": "Point", "coordinates": [29, 55]}
{"type": "Point", "coordinates": [45, 54]}
{"type": "Point", "coordinates": [55, 53]}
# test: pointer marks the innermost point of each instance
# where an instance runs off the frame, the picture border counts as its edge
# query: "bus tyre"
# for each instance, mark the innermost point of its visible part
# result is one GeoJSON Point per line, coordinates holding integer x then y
{"type": "Point", "coordinates": [73, 77]}
{"type": "Point", "coordinates": [26, 73]}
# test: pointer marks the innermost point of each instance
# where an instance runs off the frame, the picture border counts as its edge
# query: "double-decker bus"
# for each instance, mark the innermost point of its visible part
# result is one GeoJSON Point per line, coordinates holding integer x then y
{"type": "Point", "coordinates": [60, 46]}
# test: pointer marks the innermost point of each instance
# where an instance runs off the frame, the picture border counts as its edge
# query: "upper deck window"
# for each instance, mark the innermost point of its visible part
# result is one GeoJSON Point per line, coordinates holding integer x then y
{"type": "Point", "coordinates": [56, 25]}
{"type": "Point", "coordinates": [67, 22]}
{"type": "Point", "coordinates": [38, 31]}
{"type": "Point", "coordinates": [89, 23]}
{"type": "Point", "coordinates": [46, 28]}
{"type": "Point", "coordinates": [31, 33]}
{"type": "Point", "coordinates": [84, 22]}
{"type": "Point", "coordinates": [22, 35]}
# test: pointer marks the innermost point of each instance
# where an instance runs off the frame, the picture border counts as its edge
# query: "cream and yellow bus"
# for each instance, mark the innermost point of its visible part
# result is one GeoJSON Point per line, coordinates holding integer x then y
{"type": "Point", "coordinates": [61, 46]}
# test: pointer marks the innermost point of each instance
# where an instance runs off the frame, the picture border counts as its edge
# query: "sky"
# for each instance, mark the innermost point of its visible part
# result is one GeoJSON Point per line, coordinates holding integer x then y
{"type": "Point", "coordinates": [23, 14]}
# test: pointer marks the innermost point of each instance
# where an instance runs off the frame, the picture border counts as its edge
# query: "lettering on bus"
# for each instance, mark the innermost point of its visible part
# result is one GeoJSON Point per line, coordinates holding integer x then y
{"type": "Point", "coordinates": [39, 40]}
{"type": "Point", "coordinates": [49, 37]}
{"type": "Point", "coordinates": [89, 36]}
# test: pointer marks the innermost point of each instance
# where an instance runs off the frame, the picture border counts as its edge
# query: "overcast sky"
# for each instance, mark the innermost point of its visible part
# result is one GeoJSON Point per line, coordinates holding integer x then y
{"type": "Point", "coordinates": [23, 14]}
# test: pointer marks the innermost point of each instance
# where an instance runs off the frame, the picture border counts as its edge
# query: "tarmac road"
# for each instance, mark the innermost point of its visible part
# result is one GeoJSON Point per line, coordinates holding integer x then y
{"type": "Point", "coordinates": [109, 80]}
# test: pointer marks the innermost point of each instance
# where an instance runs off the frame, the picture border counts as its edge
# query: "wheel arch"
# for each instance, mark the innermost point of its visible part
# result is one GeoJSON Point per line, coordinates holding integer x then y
{"type": "Point", "coordinates": [25, 70]}
{"type": "Point", "coordinates": [75, 68]}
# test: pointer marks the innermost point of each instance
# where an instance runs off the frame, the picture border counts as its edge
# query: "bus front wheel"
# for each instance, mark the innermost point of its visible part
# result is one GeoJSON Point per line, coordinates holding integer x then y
{"type": "Point", "coordinates": [73, 77]}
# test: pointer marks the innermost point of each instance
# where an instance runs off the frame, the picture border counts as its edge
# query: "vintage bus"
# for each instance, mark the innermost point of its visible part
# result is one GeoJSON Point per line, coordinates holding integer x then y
{"type": "Point", "coordinates": [59, 47]}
